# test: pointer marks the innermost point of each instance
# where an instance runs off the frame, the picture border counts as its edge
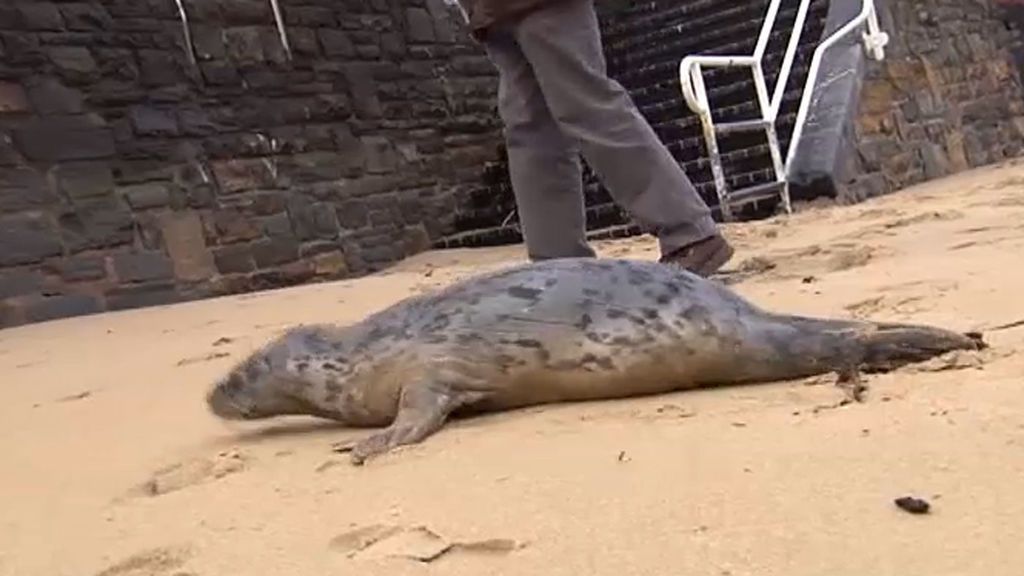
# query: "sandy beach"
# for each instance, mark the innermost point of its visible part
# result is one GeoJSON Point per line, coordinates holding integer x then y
{"type": "Point", "coordinates": [113, 467]}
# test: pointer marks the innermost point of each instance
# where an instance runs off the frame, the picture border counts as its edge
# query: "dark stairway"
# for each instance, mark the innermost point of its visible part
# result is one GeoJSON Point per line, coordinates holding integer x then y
{"type": "Point", "coordinates": [644, 43]}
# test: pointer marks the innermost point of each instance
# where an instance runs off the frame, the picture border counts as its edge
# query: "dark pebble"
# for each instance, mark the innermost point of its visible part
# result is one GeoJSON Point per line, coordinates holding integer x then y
{"type": "Point", "coordinates": [913, 505]}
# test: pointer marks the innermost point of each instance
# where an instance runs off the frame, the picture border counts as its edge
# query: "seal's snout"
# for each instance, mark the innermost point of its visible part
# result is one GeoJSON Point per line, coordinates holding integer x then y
{"type": "Point", "coordinates": [223, 399]}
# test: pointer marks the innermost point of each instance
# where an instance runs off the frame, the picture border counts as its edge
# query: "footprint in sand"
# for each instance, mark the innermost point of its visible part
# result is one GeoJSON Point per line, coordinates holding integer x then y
{"type": "Point", "coordinates": [891, 304]}
{"type": "Point", "coordinates": [805, 262]}
{"type": "Point", "coordinates": [925, 217]}
{"type": "Point", "coordinates": [192, 472]}
{"type": "Point", "coordinates": [203, 358]}
{"type": "Point", "coordinates": [1009, 201]}
{"type": "Point", "coordinates": [665, 412]}
{"type": "Point", "coordinates": [154, 562]}
{"type": "Point", "coordinates": [417, 543]}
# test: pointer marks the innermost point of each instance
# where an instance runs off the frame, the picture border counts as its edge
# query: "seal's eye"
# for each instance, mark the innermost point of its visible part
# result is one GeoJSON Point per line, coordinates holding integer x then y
{"type": "Point", "coordinates": [234, 384]}
{"type": "Point", "coordinates": [257, 366]}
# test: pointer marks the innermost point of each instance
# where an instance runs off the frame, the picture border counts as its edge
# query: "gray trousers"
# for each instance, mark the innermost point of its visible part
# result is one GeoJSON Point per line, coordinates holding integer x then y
{"type": "Point", "coordinates": [556, 101]}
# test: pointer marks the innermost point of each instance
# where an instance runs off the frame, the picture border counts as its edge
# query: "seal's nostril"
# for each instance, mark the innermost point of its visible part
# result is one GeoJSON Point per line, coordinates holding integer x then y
{"type": "Point", "coordinates": [220, 402]}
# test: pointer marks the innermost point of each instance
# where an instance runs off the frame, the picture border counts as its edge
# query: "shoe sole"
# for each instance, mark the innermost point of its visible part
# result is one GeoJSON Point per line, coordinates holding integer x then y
{"type": "Point", "coordinates": [714, 262]}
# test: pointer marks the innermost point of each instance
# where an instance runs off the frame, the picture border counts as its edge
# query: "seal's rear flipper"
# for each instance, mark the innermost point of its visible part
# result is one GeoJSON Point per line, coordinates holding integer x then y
{"type": "Point", "coordinates": [889, 346]}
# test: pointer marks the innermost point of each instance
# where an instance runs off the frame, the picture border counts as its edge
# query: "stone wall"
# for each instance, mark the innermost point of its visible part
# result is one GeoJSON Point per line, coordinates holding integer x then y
{"type": "Point", "coordinates": [946, 98]}
{"type": "Point", "coordinates": [136, 169]}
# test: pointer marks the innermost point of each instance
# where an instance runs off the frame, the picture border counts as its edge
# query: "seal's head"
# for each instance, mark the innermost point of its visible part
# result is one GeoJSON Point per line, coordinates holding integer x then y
{"type": "Point", "coordinates": [261, 386]}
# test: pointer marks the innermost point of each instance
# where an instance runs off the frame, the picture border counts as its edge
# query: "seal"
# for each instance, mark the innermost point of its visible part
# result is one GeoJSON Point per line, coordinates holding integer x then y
{"type": "Point", "coordinates": [550, 331]}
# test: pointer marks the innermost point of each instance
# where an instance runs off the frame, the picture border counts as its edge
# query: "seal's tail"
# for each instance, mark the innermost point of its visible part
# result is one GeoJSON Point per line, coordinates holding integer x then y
{"type": "Point", "coordinates": [888, 346]}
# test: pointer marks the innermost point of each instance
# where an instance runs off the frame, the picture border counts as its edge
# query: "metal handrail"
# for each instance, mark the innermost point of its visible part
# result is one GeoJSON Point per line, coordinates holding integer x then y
{"type": "Point", "coordinates": [691, 67]}
{"type": "Point", "coordinates": [694, 91]}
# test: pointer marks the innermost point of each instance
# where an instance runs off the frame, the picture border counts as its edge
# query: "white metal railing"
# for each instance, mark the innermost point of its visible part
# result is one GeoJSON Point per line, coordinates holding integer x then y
{"type": "Point", "coordinates": [694, 92]}
{"type": "Point", "coordinates": [282, 32]}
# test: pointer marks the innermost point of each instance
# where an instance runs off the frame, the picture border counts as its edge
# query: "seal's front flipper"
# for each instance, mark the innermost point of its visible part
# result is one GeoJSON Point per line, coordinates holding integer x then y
{"type": "Point", "coordinates": [422, 411]}
{"type": "Point", "coordinates": [851, 383]}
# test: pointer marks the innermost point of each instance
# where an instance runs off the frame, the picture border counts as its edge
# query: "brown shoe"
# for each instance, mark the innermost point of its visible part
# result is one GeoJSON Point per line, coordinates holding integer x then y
{"type": "Point", "coordinates": [703, 258]}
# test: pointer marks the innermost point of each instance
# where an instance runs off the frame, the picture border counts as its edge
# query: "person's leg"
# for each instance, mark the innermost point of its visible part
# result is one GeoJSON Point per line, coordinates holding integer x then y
{"type": "Point", "coordinates": [562, 44]}
{"type": "Point", "coordinates": [544, 163]}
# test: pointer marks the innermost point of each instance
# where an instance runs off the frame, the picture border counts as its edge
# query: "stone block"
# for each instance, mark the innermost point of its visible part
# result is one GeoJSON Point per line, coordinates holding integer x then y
{"type": "Point", "coordinates": [9, 155]}
{"type": "Point", "coordinates": [380, 155]}
{"type": "Point", "coordinates": [14, 283]}
{"type": "Point", "coordinates": [63, 306]}
{"type": "Point", "coordinates": [366, 186]}
{"type": "Point", "coordinates": [276, 225]}
{"type": "Point", "coordinates": [419, 26]}
{"type": "Point", "coordinates": [313, 220]}
{"type": "Point", "coordinates": [149, 121]}
{"type": "Point", "coordinates": [159, 68]}
{"type": "Point", "coordinates": [36, 15]}
{"type": "Point", "coordinates": [27, 239]}
{"type": "Point", "coordinates": [196, 123]}
{"type": "Point", "coordinates": [936, 163]}
{"type": "Point", "coordinates": [330, 264]}
{"type": "Point", "coordinates": [876, 152]}
{"type": "Point", "coordinates": [335, 43]}
{"type": "Point", "coordinates": [313, 167]}
{"type": "Point", "coordinates": [220, 74]}
{"type": "Point", "coordinates": [50, 96]}
{"type": "Point", "coordinates": [142, 296]}
{"type": "Point", "coordinates": [244, 44]}
{"type": "Point", "coordinates": [72, 61]}
{"type": "Point", "coordinates": [97, 223]}
{"type": "Point", "coordinates": [368, 52]}
{"type": "Point", "coordinates": [867, 186]}
{"type": "Point", "coordinates": [956, 152]}
{"type": "Point", "coordinates": [234, 259]}
{"type": "Point", "coordinates": [273, 49]}
{"type": "Point", "coordinates": [311, 249]}
{"type": "Point", "coordinates": [268, 203]}
{"type": "Point", "coordinates": [241, 174]}
{"type": "Point", "coordinates": [208, 42]}
{"type": "Point", "coordinates": [86, 17]}
{"type": "Point", "coordinates": [393, 44]}
{"type": "Point", "coordinates": [304, 41]}
{"type": "Point", "coordinates": [58, 139]}
{"type": "Point", "coordinates": [444, 28]}
{"type": "Point", "coordinates": [246, 11]}
{"type": "Point", "coordinates": [142, 266]}
{"type": "Point", "coordinates": [382, 218]}
{"type": "Point", "coordinates": [232, 226]}
{"type": "Point", "coordinates": [22, 49]}
{"type": "Point", "coordinates": [84, 180]}
{"type": "Point", "coordinates": [147, 226]}
{"type": "Point", "coordinates": [146, 196]}
{"type": "Point", "coordinates": [185, 241]}
{"type": "Point", "coordinates": [291, 274]}
{"type": "Point", "coordinates": [11, 314]}
{"type": "Point", "coordinates": [352, 215]}
{"type": "Point", "coordinates": [13, 99]}
{"type": "Point", "coordinates": [350, 147]}
{"type": "Point", "coordinates": [330, 108]}
{"type": "Point", "coordinates": [24, 189]}
{"type": "Point", "coordinates": [79, 268]}
{"type": "Point", "coordinates": [363, 92]}
{"type": "Point", "coordinates": [416, 240]}
{"type": "Point", "coordinates": [272, 252]}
